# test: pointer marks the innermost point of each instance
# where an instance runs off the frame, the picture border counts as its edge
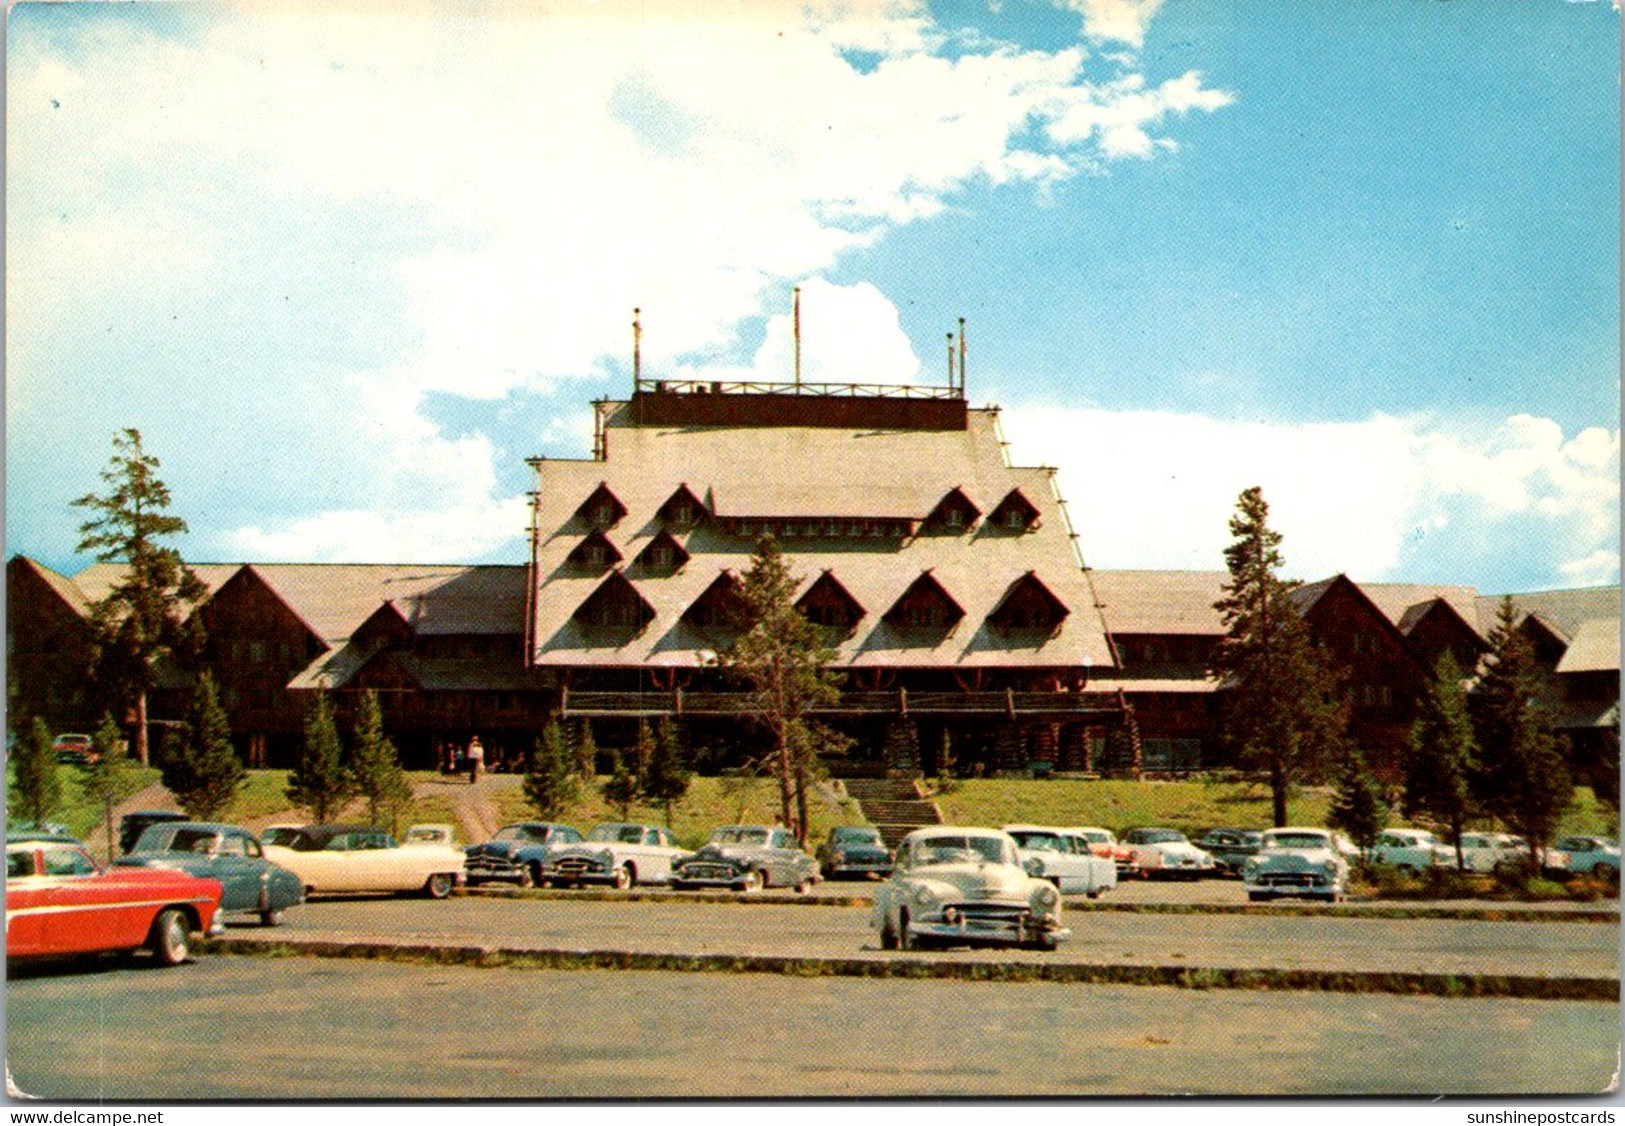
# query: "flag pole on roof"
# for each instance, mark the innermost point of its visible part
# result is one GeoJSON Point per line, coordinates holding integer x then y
{"type": "Point", "coordinates": [637, 347]}
{"type": "Point", "coordinates": [796, 320]}
{"type": "Point", "coordinates": [950, 360]}
{"type": "Point", "coordinates": [961, 356]}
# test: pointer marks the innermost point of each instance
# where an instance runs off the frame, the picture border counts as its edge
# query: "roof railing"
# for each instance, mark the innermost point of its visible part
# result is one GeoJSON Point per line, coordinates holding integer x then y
{"type": "Point", "coordinates": [810, 390]}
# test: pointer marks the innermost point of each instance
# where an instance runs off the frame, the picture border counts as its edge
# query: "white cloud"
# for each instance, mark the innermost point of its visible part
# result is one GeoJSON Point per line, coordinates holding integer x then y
{"type": "Point", "coordinates": [1383, 498]}
{"type": "Point", "coordinates": [1124, 21]}
{"type": "Point", "coordinates": [849, 334]}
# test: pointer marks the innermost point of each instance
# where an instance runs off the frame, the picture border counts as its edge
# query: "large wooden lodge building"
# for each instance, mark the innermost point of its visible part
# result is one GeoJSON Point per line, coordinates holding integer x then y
{"type": "Point", "coordinates": [949, 579]}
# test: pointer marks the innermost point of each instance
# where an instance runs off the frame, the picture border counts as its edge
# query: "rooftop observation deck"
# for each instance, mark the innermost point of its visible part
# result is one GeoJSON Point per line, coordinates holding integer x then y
{"type": "Point", "coordinates": [733, 403]}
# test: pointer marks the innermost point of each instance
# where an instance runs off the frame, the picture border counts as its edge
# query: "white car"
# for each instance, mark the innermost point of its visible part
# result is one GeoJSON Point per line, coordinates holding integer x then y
{"type": "Point", "coordinates": [1486, 852]}
{"type": "Point", "coordinates": [1302, 862]}
{"type": "Point", "coordinates": [617, 854]}
{"type": "Point", "coordinates": [1410, 851]}
{"type": "Point", "coordinates": [362, 858]}
{"type": "Point", "coordinates": [965, 887]}
{"type": "Point", "coordinates": [1064, 858]}
{"type": "Point", "coordinates": [1103, 842]}
{"type": "Point", "coordinates": [1167, 852]}
{"type": "Point", "coordinates": [1586, 856]}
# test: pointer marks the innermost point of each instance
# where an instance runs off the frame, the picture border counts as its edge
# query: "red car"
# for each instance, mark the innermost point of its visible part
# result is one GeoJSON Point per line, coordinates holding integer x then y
{"type": "Point", "coordinates": [59, 902]}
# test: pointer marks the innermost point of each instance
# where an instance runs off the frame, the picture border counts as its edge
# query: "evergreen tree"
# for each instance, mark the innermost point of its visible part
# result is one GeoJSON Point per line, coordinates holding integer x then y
{"type": "Point", "coordinates": [377, 768]}
{"type": "Point", "coordinates": [319, 780]}
{"type": "Point", "coordinates": [1443, 758]}
{"type": "Point", "coordinates": [36, 787]}
{"type": "Point", "coordinates": [111, 778]}
{"type": "Point", "coordinates": [666, 775]}
{"type": "Point", "coordinates": [146, 616]}
{"type": "Point", "coordinates": [200, 766]}
{"type": "Point", "coordinates": [783, 660]}
{"type": "Point", "coordinates": [1522, 778]}
{"type": "Point", "coordinates": [1281, 708]}
{"type": "Point", "coordinates": [621, 788]}
{"type": "Point", "coordinates": [1357, 807]}
{"type": "Point", "coordinates": [553, 781]}
{"type": "Point", "coordinates": [586, 749]}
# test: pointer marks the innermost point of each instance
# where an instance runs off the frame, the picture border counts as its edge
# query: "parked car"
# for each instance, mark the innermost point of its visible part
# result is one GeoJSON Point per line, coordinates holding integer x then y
{"type": "Point", "coordinates": [1167, 852]}
{"type": "Point", "coordinates": [854, 850]}
{"type": "Point", "coordinates": [1486, 852]}
{"type": "Point", "coordinates": [226, 853]}
{"type": "Point", "coordinates": [518, 852]}
{"type": "Point", "coordinates": [747, 857]}
{"type": "Point", "coordinates": [1230, 848]}
{"type": "Point", "coordinates": [617, 854]}
{"type": "Point", "coordinates": [1103, 842]}
{"type": "Point", "coordinates": [1062, 858]}
{"type": "Point", "coordinates": [436, 834]}
{"type": "Point", "coordinates": [132, 825]}
{"type": "Point", "coordinates": [43, 828]}
{"type": "Point", "coordinates": [1410, 851]}
{"type": "Point", "coordinates": [1587, 856]}
{"type": "Point", "coordinates": [60, 902]}
{"type": "Point", "coordinates": [329, 858]}
{"type": "Point", "coordinates": [1301, 862]}
{"type": "Point", "coordinates": [75, 750]}
{"type": "Point", "coordinates": [965, 887]}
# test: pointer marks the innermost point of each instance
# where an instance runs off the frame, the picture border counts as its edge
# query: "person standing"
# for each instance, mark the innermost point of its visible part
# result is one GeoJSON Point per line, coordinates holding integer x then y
{"type": "Point", "coordinates": [476, 759]}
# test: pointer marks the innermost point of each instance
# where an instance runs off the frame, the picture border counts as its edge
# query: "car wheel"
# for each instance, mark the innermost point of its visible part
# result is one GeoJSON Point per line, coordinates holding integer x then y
{"type": "Point", "coordinates": [1097, 893]}
{"type": "Point", "coordinates": [1259, 896]}
{"type": "Point", "coordinates": [888, 934]}
{"type": "Point", "coordinates": [1047, 943]}
{"type": "Point", "coordinates": [752, 881]}
{"type": "Point", "coordinates": [803, 886]}
{"type": "Point", "coordinates": [624, 877]}
{"type": "Point", "coordinates": [1406, 871]}
{"type": "Point", "coordinates": [171, 937]}
{"type": "Point", "coordinates": [438, 886]}
{"type": "Point", "coordinates": [270, 918]}
{"type": "Point", "coordinates": [1601, 872]}
{"type": "Point", "coordinates": [527, 877]}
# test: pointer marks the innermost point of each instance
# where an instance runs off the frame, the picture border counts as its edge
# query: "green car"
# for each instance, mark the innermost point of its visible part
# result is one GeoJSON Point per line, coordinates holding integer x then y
{"type": "Point", "coordinates": [249, 882]}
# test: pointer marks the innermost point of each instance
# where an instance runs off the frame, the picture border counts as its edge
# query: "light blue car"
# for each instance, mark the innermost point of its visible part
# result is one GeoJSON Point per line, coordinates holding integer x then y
{"type": "Point", "coordinates": [1589, 856]}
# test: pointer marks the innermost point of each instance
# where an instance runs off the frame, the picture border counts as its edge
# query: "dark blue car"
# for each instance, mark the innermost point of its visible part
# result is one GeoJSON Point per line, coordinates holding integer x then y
{"type": "Point", "coordinates": [517, 854]}
{"type": "Point", "coordinates": [249, 882]}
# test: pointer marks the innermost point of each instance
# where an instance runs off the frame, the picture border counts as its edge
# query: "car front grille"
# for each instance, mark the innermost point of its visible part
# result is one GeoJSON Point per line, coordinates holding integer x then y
{"type": "Point", "coordinates": [1292, 880]}
{"type": "Point", "coordinates": [708, 872]}
{"type": "Point", "coordinates": [579, 866]}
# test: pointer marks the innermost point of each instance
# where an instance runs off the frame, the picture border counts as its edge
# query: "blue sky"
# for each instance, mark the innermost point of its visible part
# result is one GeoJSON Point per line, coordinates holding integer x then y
{"type": "Point", "coordinates": [346, 269]}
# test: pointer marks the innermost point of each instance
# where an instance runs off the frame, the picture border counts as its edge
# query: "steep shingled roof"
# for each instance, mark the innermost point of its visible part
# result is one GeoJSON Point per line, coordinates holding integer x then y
{"type": "Point", "coordinates": [806, 472]}
{"type": "Point", "coordinates": [1595, 647]}
{"type": "Point", "coordinates": [1161, 602]}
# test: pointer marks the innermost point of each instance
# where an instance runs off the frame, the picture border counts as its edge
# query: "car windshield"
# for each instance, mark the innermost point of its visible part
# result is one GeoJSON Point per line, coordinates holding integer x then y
{"type": "Point", "coordinates": [1296, 840]}
{"type": "Point", "coordinates": [280, 835]}
{"type": "Point", "coordinates": [1037, 841]}
{"type": "Point", "coordinates": [1096, 836]}
{"type": "Point", "coordinates": [856, 836]}
{"type": "Point", "coordinates": [1162, 836]}
{"type": "Point", "coordinates": [953, 849]}
{"type": "Point", "coordinates": [427, 835]}
{"type": "Point", "coordinates": [520, 833]}
{"type": "Point", "coordinates": [624, 834]}
{"type": "Point", "coordinates": [739, 836]}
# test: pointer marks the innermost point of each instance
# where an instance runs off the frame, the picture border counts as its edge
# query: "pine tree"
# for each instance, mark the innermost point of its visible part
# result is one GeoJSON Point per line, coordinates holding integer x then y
{"type": "Point", "coordinates": [319, 780]}
{"type": "Point", "coordinates": [784, 663]}
{"type": "Point", "coordinates": [553, 781]}
{"type": "Point", "coordinates": [111, 778]}
{"type": "Point", "coordinates": [1357, 807]}
{"type": "Point", "coordinates": [1281, 708]}
{"type": "Point", "coordinates": [1443, 758]}
{"type": "Point", "coordinates": [666, 775]}
{"type": "Point", "coordinates": [146, 616]}
{"type": "Point", "coordinates": [36, 787]}
{"type": "Point", "coordinates": [586, 749]}
{"type": "Point", "coordinates": [1522, 778]}
{"type": "Point", "coordinates": [377, 768]}
{"type": "Point", "coordinates": [621, 788]}
{"type": "Point", "coordinates": [200, 766]}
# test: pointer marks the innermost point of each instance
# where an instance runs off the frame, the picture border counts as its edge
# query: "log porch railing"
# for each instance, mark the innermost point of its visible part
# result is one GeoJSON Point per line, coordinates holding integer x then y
{"type": "Point", "coordinates": [1007, 703]}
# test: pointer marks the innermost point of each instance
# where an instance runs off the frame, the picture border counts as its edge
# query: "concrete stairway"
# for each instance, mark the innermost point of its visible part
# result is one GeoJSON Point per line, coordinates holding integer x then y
{"type": "Point", "coordinates": [894, 805]}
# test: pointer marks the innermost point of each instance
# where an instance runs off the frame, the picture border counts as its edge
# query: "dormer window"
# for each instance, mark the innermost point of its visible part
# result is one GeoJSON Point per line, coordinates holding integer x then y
{"type": "Point", "coordinates": [924, 605]}
{"type": "Point", "coordinates": [594, 553]}
{"type": "Point", "coordinates": [616, 604]}
{"type": "Point", "coordinates": [831, 605]}
{"type": "Point", "coordinates": [663, 555]}
{"type": "Point", "coordinates": [1015, 513]}
{"type": "Point", "coordinates": [953, 518]}
{"type": "Point", "coordinates": [603, 509]}
{"type": "Point", "coordinates": [718, 606]}
{"type": "Point", "coordinates": [682, 509]}
{"type": "Point", "coordinates": [1028, 605]}
{"type": "Point", "coordinates": [953, 513]}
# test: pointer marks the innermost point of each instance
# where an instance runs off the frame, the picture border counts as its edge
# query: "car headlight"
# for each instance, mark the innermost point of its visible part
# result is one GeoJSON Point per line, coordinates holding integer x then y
{"type": "Point", "coordinates": [1045, 898]}
{"type": "Point", "coordinates": [922, 897]}
{"type": "Point", "coordinates": [1033, 866]}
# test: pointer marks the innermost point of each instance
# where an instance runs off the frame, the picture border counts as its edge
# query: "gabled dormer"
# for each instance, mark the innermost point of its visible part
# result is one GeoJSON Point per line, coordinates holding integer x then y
{"type": "Point", "coordinates": [924, 605]}
{"type": "Point", "coordinates": [385, 624]}
{"type": "Point", "coordinates": [719, 605]}
{"type": "Point", "coordinates": [1029, 605]}
{"type": "Point", "coordinates": [616, 604]}
{"type": "Point", "coordinates": [594, 554]}
{"type": "Point", "coordinates": [663, 555]}
{"type": "Point", "coordinates": [1015, 513]}
{"type": "Point", "coordinates": [682, 510]}
{"type": "Point", "coordinates": [831, 605]}
{"type": "Point", "coordinates": [953, 514]}
{"type": "Point", "coordinates": [603, 509]}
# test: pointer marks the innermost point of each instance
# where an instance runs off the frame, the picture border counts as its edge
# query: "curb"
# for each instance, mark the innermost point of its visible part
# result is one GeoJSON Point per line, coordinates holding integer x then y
{"type": "Point", "coordinates": [1519, 914]}
{"type": "Point", "coordinates": [1184, 977]}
